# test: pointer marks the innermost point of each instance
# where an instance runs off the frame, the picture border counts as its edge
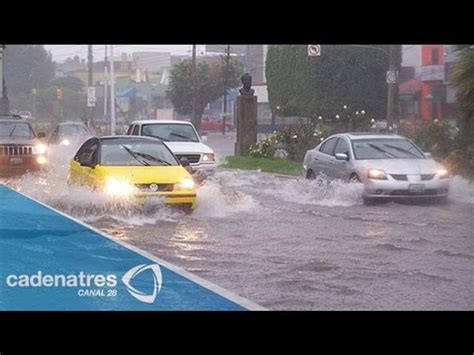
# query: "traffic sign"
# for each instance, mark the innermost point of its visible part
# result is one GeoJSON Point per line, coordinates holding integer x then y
{"type": "Point", "coordinates": [314, 50]}
{"type": "Point", "coordinates": [392, 77]}
{"type": "Point", "coordinates": [91, 99]}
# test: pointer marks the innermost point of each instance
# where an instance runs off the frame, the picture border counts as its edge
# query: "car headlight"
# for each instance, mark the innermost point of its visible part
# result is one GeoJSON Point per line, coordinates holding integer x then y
{"type": "Point", "coordinates": [65, 142]}
{"type": "Point", "coordinates": [185, 184]}
{"type": "Point", "coordinates": [209, 157]}
{"type": "Point", "coordinates": [443, 173]}
{"type": "Point", "coordinates": [117, 187]}
{"type": "Point", "coordinates": [41, 160]}
{"type": "Point", "coordinates": [40, 149]}
{"type": "Point", "coordinates": [377, 174]}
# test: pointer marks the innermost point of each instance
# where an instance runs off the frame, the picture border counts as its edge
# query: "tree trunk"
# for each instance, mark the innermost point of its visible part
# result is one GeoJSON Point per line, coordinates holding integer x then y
{"type": "Point", "coordinates": [197, 121]}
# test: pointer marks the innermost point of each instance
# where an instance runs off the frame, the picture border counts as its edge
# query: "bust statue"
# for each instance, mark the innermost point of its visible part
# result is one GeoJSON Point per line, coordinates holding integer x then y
{"type": "Point", "coordinates": [247, 83]}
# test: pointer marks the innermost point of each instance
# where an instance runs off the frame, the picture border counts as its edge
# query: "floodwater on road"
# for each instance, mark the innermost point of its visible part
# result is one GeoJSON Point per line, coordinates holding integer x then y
{"type": "Point", "coordinates": [294, 244]}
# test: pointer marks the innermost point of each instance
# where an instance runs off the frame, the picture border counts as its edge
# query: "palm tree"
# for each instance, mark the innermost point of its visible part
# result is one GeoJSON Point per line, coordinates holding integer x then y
{"type": "Point", "coordinates": [462, 78]}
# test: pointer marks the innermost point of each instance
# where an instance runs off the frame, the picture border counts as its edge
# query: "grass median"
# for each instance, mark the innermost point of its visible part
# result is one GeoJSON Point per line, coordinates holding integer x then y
{"type": "Point", "coordinates": [277, 166]}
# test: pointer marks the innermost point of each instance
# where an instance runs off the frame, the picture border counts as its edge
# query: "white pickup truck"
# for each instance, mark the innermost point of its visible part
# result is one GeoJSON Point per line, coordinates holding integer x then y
{"type": "Point", "coordinates": [182, 139]}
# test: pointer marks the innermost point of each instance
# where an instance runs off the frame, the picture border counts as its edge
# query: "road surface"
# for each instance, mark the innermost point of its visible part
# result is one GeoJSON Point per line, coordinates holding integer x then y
{"type": "Point", "coordinates": [293, 244]}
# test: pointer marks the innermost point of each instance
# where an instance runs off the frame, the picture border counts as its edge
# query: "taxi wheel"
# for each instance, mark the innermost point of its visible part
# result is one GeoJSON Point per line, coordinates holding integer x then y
{"type": "Point", "coordinates": [441, 200]}
{"type": "Point", "coordinates": [186, 208]}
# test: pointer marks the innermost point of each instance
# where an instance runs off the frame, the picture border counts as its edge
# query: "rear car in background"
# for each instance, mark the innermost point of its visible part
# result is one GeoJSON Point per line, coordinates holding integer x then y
{"type": "Point", "coordinates": [183, 140]}
{"type": "Point", "coordinates": [390, 166]}
{"type": "Point", "coordinates": [133, 167]}
{"type": "Point", "coordinates": [67, 133]}
{"type": "Point", "coordinates": [20, 147]}
{"type": "Point", "coordinates": [214, 124]}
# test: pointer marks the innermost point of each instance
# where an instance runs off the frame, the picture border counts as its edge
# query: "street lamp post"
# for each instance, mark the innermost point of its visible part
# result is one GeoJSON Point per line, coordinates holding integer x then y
{"type": "Point", "coordinates": [112, 92]}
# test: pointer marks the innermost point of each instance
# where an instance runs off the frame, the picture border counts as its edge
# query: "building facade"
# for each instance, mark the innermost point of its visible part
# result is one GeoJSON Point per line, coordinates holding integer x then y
{"type": "Point", "coordinates": [424, 82]}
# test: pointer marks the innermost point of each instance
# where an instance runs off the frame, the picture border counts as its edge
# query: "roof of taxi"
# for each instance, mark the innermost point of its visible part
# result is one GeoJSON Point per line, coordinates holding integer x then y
{"type": "Point", "coordinates": [129, 138]}
{"type": "Point", "coordinates": [161, 122]}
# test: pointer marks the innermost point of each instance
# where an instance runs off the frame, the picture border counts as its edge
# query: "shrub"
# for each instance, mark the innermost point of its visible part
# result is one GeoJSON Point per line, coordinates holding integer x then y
{"type": "Point", "coordinates": [447, 145]}
{"type": "Point", "coordinates": [291, 143]}
{"type": "Point", "coordinates": [436, 137]}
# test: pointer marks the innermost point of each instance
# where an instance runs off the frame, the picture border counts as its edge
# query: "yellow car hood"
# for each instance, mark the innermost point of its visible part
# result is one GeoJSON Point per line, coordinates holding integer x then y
{"type": "Point", "coordinates": [144, 174]}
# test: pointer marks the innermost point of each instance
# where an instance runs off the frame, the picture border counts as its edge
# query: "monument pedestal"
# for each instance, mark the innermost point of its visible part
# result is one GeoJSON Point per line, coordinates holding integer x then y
{"type": "Point", "coordinates": [246, 124]}
{"type": "Point", "coordinates": [4, 106]}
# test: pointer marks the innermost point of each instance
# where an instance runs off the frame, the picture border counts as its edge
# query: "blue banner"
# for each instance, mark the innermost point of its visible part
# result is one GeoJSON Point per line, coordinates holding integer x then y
{"type": "Point", "coordinates": [49, 261]}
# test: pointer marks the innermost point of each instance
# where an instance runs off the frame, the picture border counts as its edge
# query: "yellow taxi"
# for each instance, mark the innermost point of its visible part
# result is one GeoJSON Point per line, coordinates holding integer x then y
{"type": "Point", "coordinates": [137, 167]}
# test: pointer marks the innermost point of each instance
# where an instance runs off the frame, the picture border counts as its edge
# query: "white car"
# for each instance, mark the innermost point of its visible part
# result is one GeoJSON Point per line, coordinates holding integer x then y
{"type": "Point", "coordinates": [181, 138]}
{"type": "Point", "coordinates": [390, 166]}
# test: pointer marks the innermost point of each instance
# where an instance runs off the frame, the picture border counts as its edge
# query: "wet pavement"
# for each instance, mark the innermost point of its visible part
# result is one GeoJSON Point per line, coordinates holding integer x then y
{"type": "Point", "coordinates": [293, 244]}
{"type": "Point", "coordinates": [327, 254]}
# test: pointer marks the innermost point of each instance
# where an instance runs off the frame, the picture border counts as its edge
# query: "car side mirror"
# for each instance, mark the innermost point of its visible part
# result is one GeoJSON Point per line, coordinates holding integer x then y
{"type": "Point", "coordinates": [41, 135]}
{"type": "Point", "coordinates": [184, 162]}
{"type": "Point", "coordinates": [204, 139]}
{"type": "Point", "coordinates": [87, 164]}
{"type": "Point", "coordinates": [342, 156]}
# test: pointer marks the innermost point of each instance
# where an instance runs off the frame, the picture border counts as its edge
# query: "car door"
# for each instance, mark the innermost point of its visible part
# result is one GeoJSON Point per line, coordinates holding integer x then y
{"type": "Point", "coordinates": [325, 157]}
{"type": "Point", "coordinates": [340, 168]}
{"type": "Point", "coordinates": [82, 168]}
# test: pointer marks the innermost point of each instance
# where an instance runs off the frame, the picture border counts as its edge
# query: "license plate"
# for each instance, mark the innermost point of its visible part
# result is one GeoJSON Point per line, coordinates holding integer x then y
{"type": "Point", "coordinates": [16, 161]}
{"type": "Point", "coordinates": [416, 188]}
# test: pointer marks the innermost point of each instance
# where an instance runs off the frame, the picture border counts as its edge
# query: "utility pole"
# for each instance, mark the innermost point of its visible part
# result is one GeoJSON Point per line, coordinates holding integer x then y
{"type": "Point", "coordinates": [105, 83]}
{"type": "Point", "coordinates": [90, 79]}
{"type": "Point", "coordinates": [226, 78]}
{"type": "Point", "coordinates": [392, 94]}
{"type": "Point", "coordinates": [89, 64]}
{"type": "Point", "coordinates": [194, 91]}
{"type": "Point", "coordinates": [112, 91]}
{"type": "Point", "coordinates": [4, 106]}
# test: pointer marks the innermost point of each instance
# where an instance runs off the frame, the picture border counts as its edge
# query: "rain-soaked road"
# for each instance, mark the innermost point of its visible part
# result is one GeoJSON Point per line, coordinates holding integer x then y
{"type": "Point", "coordinates": [293, 244]}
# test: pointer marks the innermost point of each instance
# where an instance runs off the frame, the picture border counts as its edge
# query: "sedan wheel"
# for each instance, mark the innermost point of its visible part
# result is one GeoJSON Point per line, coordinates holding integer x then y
{"type": "Point", "coordinates": [354, 178]}
{"type": "Point", "coordinates": [310, 175]}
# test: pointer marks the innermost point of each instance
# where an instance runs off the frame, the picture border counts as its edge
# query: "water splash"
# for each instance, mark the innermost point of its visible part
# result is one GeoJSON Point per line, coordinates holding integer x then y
{"type": "Point", "coordinates": [50, 187]}
{"type": "Point", "coordinates": [321, 192]}
{"type": "Point", "coordinates": [213, 202]}
{"type": "Point", "coordinates": [461, 190]}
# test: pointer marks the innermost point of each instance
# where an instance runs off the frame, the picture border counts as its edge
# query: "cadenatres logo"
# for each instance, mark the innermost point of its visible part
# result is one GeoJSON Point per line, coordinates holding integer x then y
{"type": "Point", "coordinates": [94, 285]}
{"type": "Point", "coordinates": [157, 281]}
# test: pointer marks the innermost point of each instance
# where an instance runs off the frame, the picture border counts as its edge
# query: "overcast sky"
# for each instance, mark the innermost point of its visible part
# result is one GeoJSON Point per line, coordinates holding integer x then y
{"type": "Point", "coordinates": [61, 52]}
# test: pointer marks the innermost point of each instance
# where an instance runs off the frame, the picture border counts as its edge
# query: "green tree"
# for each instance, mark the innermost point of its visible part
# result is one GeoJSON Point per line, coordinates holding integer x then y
{"type": "Point", "coordinates": [27, 67]}
{"type": "Point", "coordinates": [210, 79]}
{"type": "Point", "coordinates": [462, 78]}
{"type": "Point", "coordinates": [300, 85]}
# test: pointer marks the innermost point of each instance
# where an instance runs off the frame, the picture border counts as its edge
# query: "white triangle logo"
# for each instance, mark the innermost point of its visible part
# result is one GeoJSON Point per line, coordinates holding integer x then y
{"type": "Point", "coordinates": [157, 281]}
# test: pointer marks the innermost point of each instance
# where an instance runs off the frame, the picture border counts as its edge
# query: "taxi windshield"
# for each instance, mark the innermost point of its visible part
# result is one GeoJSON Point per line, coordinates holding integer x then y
{"type": "Point", "coordinates": [123, 153]}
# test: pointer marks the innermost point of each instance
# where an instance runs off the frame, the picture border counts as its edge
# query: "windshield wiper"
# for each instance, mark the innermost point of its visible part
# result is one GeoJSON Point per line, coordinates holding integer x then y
{"type": "Point", "coordinates": [152, 158]}
{"type": "Point", "coordinates": [182, 136]}
{"type": "Point", "coordinates": [401, 150]}
{"type": "Point", "coordinates": [13, 130]}
{"type": "Point", "coordinates": [134, 156]}
{"type": "Point", "coordinates": [373, 146]}
{"type": "Point", "coordinates": [162, 138]}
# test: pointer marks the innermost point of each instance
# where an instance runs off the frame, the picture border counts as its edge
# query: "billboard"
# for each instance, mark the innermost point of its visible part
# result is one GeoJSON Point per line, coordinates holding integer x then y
{"type": "Point", "coordinates": [432, 72]}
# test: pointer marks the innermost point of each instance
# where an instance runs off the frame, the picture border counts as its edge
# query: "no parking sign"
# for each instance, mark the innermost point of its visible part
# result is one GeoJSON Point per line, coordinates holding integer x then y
{"type": "Point", "coordinates": [314, 50]}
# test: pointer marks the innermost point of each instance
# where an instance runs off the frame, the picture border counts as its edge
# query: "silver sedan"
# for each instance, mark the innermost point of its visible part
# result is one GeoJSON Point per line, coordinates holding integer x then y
{"type": "Point", "coordinates": [390, 166]}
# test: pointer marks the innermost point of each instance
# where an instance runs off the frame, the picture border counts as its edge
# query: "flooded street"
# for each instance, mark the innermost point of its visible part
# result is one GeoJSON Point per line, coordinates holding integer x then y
{"type": "Point", "coordinates": [293, 244]}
